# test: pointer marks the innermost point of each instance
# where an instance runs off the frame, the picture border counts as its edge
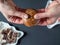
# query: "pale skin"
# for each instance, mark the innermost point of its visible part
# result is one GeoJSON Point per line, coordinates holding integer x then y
{"type": "Point", "coordinates": [52, 12]}
{"type": "Point", "coordinates": [7, 8]}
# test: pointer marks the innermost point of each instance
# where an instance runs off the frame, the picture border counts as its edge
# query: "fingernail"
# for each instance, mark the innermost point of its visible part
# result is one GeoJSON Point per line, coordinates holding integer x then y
{"type": "Point", "coordinates": [25, 16]}
{"type": "Point", "coordinates": [36, 17]}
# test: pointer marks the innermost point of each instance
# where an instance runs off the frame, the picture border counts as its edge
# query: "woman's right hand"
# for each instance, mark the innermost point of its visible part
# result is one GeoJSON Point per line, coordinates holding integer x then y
{"type": "Point", "coordinates": [49, 15]}
{"type": "Point", "coordinates": [11, 12]}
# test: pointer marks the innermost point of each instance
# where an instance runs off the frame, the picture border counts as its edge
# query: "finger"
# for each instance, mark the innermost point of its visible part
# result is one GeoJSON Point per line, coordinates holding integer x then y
{"type": "Point", "coordinates": [42, 23]}
{"type": "Point", "coordinates": [58, 1]}
{"type": "Point", "coordinates": [13, 19]}
{"type": "Point", "coordinates": [10, 10]}
{"type": "Point", "coordinates": [16, 20]}
{"type": "Point", "coordinates": [16, 13]}
{"type": "Point", "coordinates": [47, 21]}
{"type": "Point", "coordinates": [51, 20]}
{"type": "Point", "coordinates": [41, 15]}
{"type": "Point", "coordinates": [50, 12]}
{"type": "Point", "coordinates": [41, 10]}
{"type": "Point", "coordinates": [21, 14]}
{"type": "Point", "coordinates": [3, 1]}
{"type": "Point", "coordinates": [59, 19]}
{"type": "Point", "coordinates": [52, 4]}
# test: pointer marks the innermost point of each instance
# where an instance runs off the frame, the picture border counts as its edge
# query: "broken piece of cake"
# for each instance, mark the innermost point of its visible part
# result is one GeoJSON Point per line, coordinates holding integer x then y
{"type": "Point", "coordinates": [30, 21]}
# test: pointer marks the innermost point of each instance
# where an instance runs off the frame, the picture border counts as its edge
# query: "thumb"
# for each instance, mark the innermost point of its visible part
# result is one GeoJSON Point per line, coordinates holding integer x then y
{"type": "Point", "coordinates": [41, 15]}
{"type": "Point", "coordinates": [21, 15]}
{"type": "Point", "coordinates": [18, 14]}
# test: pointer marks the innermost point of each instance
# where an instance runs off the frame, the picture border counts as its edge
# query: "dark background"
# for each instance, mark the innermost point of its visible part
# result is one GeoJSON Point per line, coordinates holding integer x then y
{"type": "Point", "coordinates": [36, 35]}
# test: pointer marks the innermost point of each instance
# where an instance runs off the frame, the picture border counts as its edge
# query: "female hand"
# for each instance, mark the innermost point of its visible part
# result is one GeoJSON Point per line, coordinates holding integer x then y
{"type": "Point", "coordinates": [49, 15]}
{"type": "Point", "coordinates": [11, 12]}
